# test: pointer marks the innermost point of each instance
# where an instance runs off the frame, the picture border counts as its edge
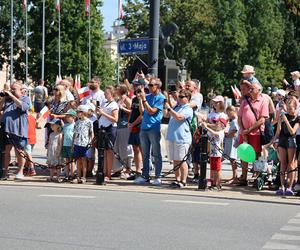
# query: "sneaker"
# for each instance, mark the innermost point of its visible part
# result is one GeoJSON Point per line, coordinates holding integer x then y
{"type": "Point", "coordinates": [280, 191]}
{"type": "Point", "coordinates": [75, 181]}
{"type": "Point", "coordinates": [140, 180]}
{"type": "Point", "coordinates": [174, 184]}
{"type": "Point", "coordinates": [19, 177]}
{"type": "Point", "coordinates": [131, 177]}
{"type": "Point", "coordinates": [289, 192]}
{"type": "Point", "coordinates": [83, 180]}
{"type": "Point", "coordinates": [182, 185]}
{"type": "Point", "coordinates": [31, 172]}
{"type": "Point", "coordinates": [156, 182]}
{"type": "Point", "coordinates": [124, 176]}
{"type": "Point", "coordinates": [79, 180]}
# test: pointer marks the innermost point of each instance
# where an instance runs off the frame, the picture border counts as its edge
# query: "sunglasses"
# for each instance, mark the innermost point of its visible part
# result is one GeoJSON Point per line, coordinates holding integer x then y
{"type": "Point", "coordinates": [181, 96]}
{"type": "Point", "coordinates": [56, 89]}
{"type": "Point", "coordinates": [151, 85]}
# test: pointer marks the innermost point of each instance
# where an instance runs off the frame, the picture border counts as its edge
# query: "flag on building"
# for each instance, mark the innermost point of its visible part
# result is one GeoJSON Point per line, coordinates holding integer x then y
{"type": "Point", "coordinates": [57, 6]}
{"type": "Point", "coordinates": [87, 7]}
{"type": "Point", "coordinates": [83, 92]}
{"type": "Point", "coordinates": [24, 5]}
{"type": "Point", "coordinates": [121, 12]}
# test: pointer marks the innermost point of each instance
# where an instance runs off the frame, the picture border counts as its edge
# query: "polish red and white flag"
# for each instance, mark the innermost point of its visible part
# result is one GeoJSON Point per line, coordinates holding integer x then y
{"type": "Point", "coordinates": [87, 7]}
{"type": "Point", "coordinates": [121, 11]}
{"type": "Point", "coordinates": [45, 112]}
{"type": "Point", "coordinates": [83, 92]}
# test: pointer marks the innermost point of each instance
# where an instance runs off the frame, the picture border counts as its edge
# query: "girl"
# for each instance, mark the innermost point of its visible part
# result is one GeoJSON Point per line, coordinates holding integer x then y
{"type": "Point", "coordinates": [229, 141]}
{"type": "Point", "coordinates": [54, 150]}
{"type": "Point", "coordinates": [286, 132]}
{"type": "Point", "coordinates": [109, 116]}
{"type": "Point", "coordinates": [83, 134]}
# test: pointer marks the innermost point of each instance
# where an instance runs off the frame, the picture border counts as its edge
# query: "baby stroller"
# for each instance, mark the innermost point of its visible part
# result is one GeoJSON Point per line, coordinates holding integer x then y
{"type": "Point", "coordinates": [266, 168]}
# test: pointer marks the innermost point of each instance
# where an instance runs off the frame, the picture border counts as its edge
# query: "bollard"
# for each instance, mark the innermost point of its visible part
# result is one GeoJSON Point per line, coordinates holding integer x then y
{"type": "Point", "coordinates": [100, 147]}
{"type": "Point", "coordinates": [202, 184]}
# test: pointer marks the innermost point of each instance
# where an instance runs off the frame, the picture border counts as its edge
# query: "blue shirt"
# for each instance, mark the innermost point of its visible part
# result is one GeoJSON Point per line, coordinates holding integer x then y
{"type": "Point", "coordinates": [15, 119]}
{"type": "Point", "coordinates": [179, 131]}
{"type": "Point", "coordinates": [153, 121]}
{"type": "Point", "coordinates": [68, 131]}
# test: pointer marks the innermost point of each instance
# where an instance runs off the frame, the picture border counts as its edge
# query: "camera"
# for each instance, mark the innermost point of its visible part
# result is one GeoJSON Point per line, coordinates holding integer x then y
{"type": "Point", "coordinates": [2, 94]}
{"type": "Point", "coordinates": [138, 91]}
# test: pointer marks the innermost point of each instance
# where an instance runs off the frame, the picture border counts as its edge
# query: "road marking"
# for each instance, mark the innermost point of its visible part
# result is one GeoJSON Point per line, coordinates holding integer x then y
{"type": "Point", "coordinates": [285, 237]}
{"type": "Point", "coordinates": [68, 196]}
{"type": "Point", "coordinates": [274, 245]}
{"type": "Point", "coordinates": [197, 202]}
{"type": "Point", "coordinates": [290, 228]}
{"type": "Point", "coordinates": [294, 221]}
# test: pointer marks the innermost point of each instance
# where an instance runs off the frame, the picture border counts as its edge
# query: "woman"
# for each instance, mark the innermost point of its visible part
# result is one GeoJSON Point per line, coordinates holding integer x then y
{"type": "Point", "coordinates": [109, 115]}
{"type": "Point", "coordinates": [179, 135]}
{"type": "Point", "coordinates": [121, 145]}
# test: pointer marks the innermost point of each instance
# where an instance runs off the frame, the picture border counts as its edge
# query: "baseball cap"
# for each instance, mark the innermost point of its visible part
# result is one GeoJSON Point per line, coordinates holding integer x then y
{"type": "Point", "coordinates": [83, 108]}
{"type": "Point", "coordinates": [280, 92]}
{"type": "Point", "coordinates": [218, 98]}
{"type": "Point", "coordinates": [55, 121]}
{"type": "Point", "coordinates": [71, 112]}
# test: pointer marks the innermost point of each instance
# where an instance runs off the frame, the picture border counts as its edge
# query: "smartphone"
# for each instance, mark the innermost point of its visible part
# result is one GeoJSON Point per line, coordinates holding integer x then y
{"type": "Point", "coordinates": [98, 104]}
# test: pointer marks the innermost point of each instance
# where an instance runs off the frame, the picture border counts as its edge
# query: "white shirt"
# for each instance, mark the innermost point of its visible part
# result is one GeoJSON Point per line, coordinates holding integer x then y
{"type": "Point", "coordinates": [69, 95]}
{"type": "Point", "coordinates": [108, 108]}
{"type": "Point", "coordinates": [97, 96]}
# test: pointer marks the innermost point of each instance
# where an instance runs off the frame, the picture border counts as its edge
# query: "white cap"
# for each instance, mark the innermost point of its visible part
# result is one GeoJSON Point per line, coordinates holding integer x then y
{"type": "Point", "coordinates": [83, 108]}
{"type": "Point", "coordinates": [91, 106]}
{"type": "Point", "coordinates": [280, 92]}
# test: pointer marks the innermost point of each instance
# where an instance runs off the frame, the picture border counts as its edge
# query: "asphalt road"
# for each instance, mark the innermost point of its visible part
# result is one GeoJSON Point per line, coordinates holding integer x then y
{"type": "Point", "coordinates": [51, 218]}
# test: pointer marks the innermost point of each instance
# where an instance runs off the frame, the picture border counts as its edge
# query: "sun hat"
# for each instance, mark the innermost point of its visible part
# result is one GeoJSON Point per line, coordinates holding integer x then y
{"type": "Point", "coordinates": [295, 73]}
{"type": "Point", "coordinates": [83, 108]}
{"type": "Point", "coordinates": [71, 112]}
{"type": "Point", "coordinates": [280, 92]}
{"type": "Point", "coordinates": [248, 69]}
{"type": "Point", "coordinates": [218, 98]}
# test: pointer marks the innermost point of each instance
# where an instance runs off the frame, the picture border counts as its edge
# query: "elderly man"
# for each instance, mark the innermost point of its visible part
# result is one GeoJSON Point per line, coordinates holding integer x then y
{"type": "Point", "coordinates": [250, 127]}
{"type": "Point", "coordinates": [15, 106]}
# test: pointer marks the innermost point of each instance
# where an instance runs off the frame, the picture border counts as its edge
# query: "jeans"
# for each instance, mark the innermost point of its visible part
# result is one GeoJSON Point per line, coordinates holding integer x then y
{"type": "Point", "coordinates": [150, 139]}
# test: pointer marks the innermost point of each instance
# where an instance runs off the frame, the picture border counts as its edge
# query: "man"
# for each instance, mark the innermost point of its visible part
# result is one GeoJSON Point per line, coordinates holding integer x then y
{"type": "Point", "coordinates": [250, 127]}
{"type": "Point", "coordinates": [152, 108]}
{"type": "Point", "coordinates": [40, 97]}
{"type": "Point", "coordinates": [96, 94]}
{"type": "Point", "coordinates": [15, 106]}
{"type": "Point", "coordinates": [197, 98]}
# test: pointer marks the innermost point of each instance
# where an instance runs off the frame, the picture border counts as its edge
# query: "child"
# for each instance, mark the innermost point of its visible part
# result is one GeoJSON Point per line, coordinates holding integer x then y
{"type": "Point", "coordinates": [229, 141]}
{"type": "Point", "coordinates": [83, 134]}
{"type": "Point", "coordinates": [68, 132]}
{"type": "Point", "coordinates": [31, 142]}
{"type": "Point", "coordinates": [54, 150]}
{"type": "Point", "coordinates": [216, 135]}
{"type": "Point", "coordinates": [286, 132]}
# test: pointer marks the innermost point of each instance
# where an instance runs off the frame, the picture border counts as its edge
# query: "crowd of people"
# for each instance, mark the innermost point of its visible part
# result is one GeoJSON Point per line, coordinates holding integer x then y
{"type": "Point", "coordinates": [132, 118]}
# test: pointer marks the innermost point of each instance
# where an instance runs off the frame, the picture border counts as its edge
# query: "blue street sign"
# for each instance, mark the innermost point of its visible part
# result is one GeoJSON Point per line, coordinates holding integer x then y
{"type": "Point", "coordinates": [133, 46]}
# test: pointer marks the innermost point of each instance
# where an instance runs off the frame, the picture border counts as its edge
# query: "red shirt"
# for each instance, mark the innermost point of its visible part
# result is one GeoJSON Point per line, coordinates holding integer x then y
{"type": "Point", "coordinates": [261, 108]}
{"type": "Point", "coordinates": [31, 130]}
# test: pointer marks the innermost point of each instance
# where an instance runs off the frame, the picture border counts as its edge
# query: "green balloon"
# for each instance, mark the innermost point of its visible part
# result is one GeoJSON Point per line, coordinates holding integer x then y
{"type": "Point", "coordinates": [246, 152]}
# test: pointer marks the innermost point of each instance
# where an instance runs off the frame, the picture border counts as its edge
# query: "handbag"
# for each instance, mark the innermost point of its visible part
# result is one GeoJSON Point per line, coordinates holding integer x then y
{"type": "Point", "coordinates": [267, 135]}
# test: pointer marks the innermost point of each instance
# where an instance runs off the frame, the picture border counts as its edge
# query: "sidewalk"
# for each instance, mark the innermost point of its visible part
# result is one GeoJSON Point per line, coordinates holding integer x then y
{"type": "Point", "coordinates": [228, 192]}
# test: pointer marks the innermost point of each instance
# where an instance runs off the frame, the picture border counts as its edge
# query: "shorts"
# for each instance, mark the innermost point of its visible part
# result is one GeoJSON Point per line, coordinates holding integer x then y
{"type": "Point", "coordinates": [134, 139]}
{"type": "Point", "coordinates": [28, 148]}
{"type": "Point", "coordinates": [109, 138]}
{"type": "Point", "coordinates": [38, 106]}
{"type": "Point", "coordinates": [79, 151]}
{"type": "Point", "coordinates": [90, 154]}
{"type": "Point", "coordinates": [215, 163]}
{"type": "Point", "coordinates": [17, 141]}
{"type": "Point", "coordinates": [254, 141]}
{"type": "Point", "coordinates": [287, 142]}
{"type": "Point", "coordinates": [177, 151]}
{"type": "Point", "coordinates": [67, 152]}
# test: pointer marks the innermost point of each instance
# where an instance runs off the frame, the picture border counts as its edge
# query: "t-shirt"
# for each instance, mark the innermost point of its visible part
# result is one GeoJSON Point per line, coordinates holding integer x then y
{"type": "Point", "coordinates": [108, 107]}
{"type": "Point", "coordinates": [212, 116]}
{"type": "Point", "coordinates": [153, 121]}
{"type": "Point", "coordinates": [284, 132]}
{"type": "Point", "coordinates": [68, 132]}
{"type": "Point", "coordinates": [97, 96]}
{"type": "Point", "coordinates": [69, 95]}
{"type": "Point", "coordinates": [15, 119]}
{"type": "Point", "coordinates": [216, 143]}
{"type": "Point", "coordinates": [135, 113]}
{"type": "Point", "coordinates": [197, 98]}
{"type": "Point", "coordinates": [82, 131]}
{"type": "Point", "coordinates": [31, 130]}
{"type": "Point", "coordinates": [40, 93]}
{"type": "Point", "coordinates": [179, 131]}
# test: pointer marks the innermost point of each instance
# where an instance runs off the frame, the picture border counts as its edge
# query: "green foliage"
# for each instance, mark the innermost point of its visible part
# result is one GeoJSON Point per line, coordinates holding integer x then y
{"type": "Point", "coordinates": [74, 40]}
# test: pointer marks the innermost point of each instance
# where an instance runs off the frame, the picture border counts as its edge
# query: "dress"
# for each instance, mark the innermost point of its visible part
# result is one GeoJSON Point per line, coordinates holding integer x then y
{"type": "Point", "coordinates": [54, 150]}
{"type": "Point", "coordinates": [229, 142]}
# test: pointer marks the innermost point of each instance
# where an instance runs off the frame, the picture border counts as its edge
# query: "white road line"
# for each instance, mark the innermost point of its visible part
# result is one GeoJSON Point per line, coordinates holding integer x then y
{"type": "Point", "coordinates": [275, 245]}
{"type": "Point", "coordinates": [290, 228]}
{"type": "Point", "coordinates": [285, 237]}
{"type": "Point", "coordinates": [197, 202]}
{"type": "Point", "coordinates": [67, 196]}
{"type": "Point", "coordinates": [294, 221]}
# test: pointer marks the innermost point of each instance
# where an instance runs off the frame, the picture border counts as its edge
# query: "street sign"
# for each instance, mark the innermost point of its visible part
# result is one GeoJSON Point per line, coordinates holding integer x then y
{"type": "Point", "coordinates": [133, 46]}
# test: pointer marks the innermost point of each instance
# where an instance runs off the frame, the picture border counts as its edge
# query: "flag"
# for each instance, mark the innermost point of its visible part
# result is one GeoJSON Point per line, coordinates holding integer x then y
{"type": "Point", "coordinates": [78, 82]}
{"type": "Point", "coordinates": [24, 5]}
{"type": "Point", "coordinates": [58, 79]}
{"type": "Point", "coordinates": [234, 92]}
{"type": "Point", "coordinates": [83, 92]}
{"type": "Point", "coordinates": [87, 7]}
{"type": "Point", "coordinates": [57, 6]}
{"type": "Point", "coordinates": [121, 12]}
{"type": "Point", "coordinates": [45, 112]}
{"type": "Point", "coordinates": [238, 91]}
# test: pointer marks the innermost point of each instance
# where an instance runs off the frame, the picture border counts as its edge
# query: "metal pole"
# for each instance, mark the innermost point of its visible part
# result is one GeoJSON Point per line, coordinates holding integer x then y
{"type": "Point", "coordinates": [203, 160]}
{"type": "Point", "coordinates": [11, 41]}
{"type": "Point", "coordinates": [100, 147]}
{"type": "Point", "coordinates": [154, 36]}
{"type": "Point", "coordinates": [26, 47]}
{"type": "Point", "coordinates": [59, 52]}
{"type": "Point", "coordinates": [43, 43]}
{"type": "Point", "coordinates": [90, 70]}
